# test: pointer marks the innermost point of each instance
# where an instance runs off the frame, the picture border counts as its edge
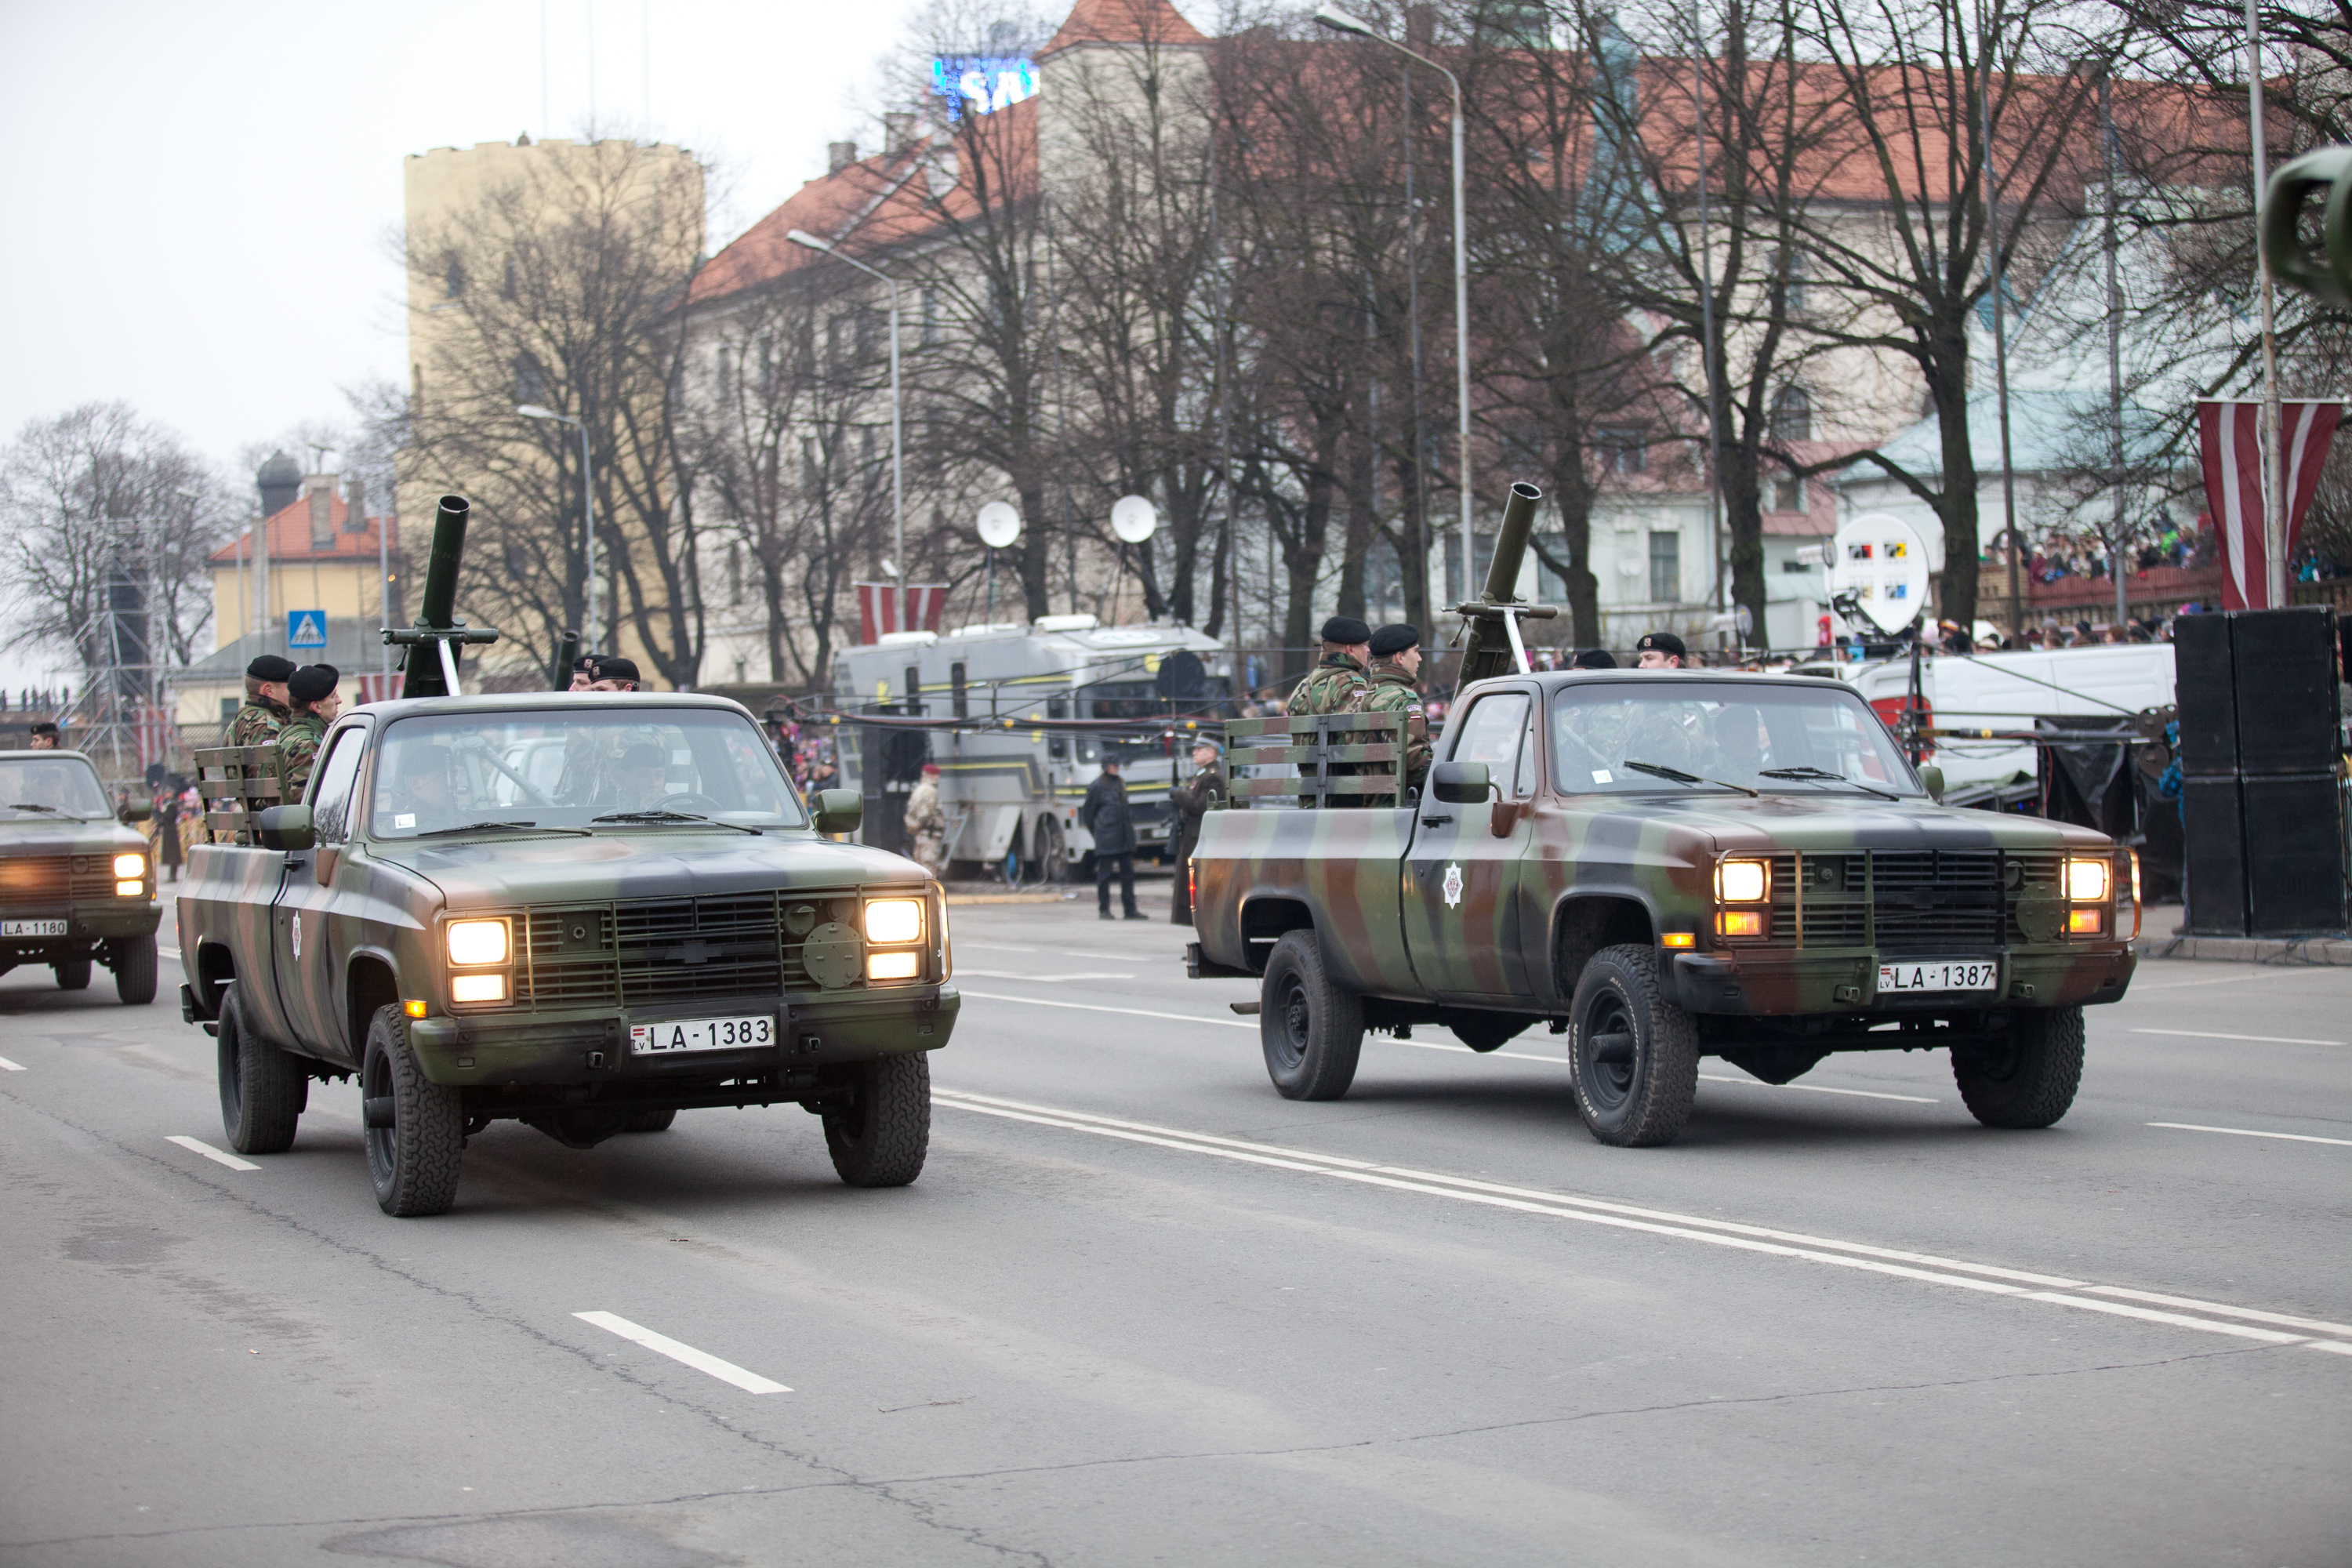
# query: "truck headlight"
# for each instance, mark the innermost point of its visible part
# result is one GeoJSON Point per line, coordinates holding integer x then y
{"type": "Point", "coordinates": [132, 865]}
{"type": "Point", "coordinates": [478, 988]}
{"type": "Point", "coordinates": [2087, 882]}
{"type": "Point", "coordinates": [904, 964]}
{"type": "Point", "coordinates": [478, 941]}
{"type": "Point", "coordinates": [1743, 882]}
{"type": "Point", "coordinates": [890, 921]}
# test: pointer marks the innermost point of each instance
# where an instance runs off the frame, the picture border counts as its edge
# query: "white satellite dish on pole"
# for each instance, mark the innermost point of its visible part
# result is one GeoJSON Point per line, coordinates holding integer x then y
{"type": "Point", "coordinates": [1132, 519]}
{"type": "Point", "coordinates": [1000, 525]}
{"type": "Point", "coordinates": [1882, 562]}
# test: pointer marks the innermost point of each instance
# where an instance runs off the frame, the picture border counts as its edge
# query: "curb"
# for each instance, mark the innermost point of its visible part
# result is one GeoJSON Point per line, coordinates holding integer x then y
{"type": "Point", "coordinates": [1005, 898]}
{"type": "Point", "coordinates": [2313, 951]}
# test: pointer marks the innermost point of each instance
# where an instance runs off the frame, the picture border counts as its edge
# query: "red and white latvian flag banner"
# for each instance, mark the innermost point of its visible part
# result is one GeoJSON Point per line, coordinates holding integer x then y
{"type": "Point", "coordinates": [878, 608]}
{"type": "Point", "coordinates": [2228, 434]}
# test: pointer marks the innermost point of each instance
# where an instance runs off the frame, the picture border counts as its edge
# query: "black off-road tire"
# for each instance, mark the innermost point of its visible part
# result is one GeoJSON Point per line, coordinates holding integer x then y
{"type": "Point", "coordinates": [73, 973]}
{"type": "Point", "coordinates": [1633, 1054]}
{"type": "Point", "coordinates": [414, 1162]}
{"type": "Point", "coordinates": [1488, 1031]}
{"type": "Point", "coordinates": [263, 1090]}
{"type": "Point", "coordinates": [880, 1140]}
{"type": "Point", "coordinates": [655, 1119]}
{"type": "Point", "coordinates": [2030, 1080]}
{"type": "Point", "coordinates": [1311, 1030]}
{"type": "Point", "coordinates": [134, 970]}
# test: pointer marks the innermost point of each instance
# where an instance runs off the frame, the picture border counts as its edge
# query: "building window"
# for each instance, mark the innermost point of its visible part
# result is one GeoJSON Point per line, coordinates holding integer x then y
{"type": "Point", "coordinates": [453, 279]}
{"type": "Point", "coordinates": [931, 316]}
{"type": "Point", "coordinates": [1788, 493]}
{"type": "Point", "coordinates": [506, 289]}
{"type": "Point", "coordinates": [1792, 414]}
{"type": "Point", "coordinates": [1622, 450]}
{"type": "Point", "coordinates": [1800, 275]}
{"type": "Point", "coordinates": [1666, 568]}
{"type": "Point", "coordinates": [531, 379]}
{"type": "Point", "coordinates": [735, 575]}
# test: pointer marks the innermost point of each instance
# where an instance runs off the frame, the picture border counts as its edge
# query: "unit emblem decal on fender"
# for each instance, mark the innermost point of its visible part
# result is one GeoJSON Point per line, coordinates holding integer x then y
{"type": "Point", "coordinates": [298, 934]}
{"type": "Point", "coordinates": [1453, 888]}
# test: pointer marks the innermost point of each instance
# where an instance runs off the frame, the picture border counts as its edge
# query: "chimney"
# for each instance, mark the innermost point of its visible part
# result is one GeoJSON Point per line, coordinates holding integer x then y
{"type": "Point", "coordinates": [323, 515]}
{"type": "Point", "coordinates": [898, 133]}
{"type": "Point", "coordinates": [839, 155]}
{"type": "Point", "coordinates": [355, 505]}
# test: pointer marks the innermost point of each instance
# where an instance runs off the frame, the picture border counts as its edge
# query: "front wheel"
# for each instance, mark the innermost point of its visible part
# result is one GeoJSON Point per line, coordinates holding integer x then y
{"type": "Point", "coordinates": [416, 1129]}
{"type": "Point", "coordinates": [1633, 1054]}
{"type": "Point", "coordinates": [880, 1140]}
{"type": "Point", "coordinates": [1312, 1031]}
{"type": "Point", "coordinates": [134, 970]}
{"type": "Point", "coordinates": [2029, 1078]}
{"type": "Point", "coordinates": [263, 1090]}
{"type": "Point", "coordinates": [73, 973]}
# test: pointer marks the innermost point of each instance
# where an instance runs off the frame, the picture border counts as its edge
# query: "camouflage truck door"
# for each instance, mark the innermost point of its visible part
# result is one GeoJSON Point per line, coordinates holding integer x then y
{"type": "Point", "coordinates": [1461, 881]}
{"type": "Point", "coordinates": [307, 951]}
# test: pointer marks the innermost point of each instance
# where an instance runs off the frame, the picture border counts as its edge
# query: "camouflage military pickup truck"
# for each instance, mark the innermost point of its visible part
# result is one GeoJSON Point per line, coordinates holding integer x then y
{"type": "Point", "coordinates": [76, 887]}
{"type": "Point", "coordinates": [1663, 867]}
{"type": "Point", "coordinates": [586, 912]}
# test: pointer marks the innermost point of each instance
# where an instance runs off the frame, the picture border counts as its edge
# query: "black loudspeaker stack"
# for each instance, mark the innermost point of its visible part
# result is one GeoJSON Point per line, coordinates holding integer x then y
{"type": "Point", "coordinates": [2263, 808]}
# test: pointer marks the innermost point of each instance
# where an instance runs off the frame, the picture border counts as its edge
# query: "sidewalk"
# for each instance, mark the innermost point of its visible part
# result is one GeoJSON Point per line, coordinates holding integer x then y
{"type": "Point", "coordinates": [2159, 937]}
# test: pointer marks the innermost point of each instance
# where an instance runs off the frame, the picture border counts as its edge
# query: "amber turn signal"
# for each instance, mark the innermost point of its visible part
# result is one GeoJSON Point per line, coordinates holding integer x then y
{"type": "Point", "coordinates": [1740, 922]}
{"type": "Point", "coordinates": [1678, 938]}
{"type": "Point", "coordinates": [2086, 923]}
{"type": "Point", "coordinates": [414, 1009]}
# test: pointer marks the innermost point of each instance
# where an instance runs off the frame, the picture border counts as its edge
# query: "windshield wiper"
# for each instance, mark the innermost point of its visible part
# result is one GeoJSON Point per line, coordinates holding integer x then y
{"type": "Point", "coordinates": [1823, 775]}
{"type": "Point", "coordinates": [502, 827]}
{"type": "Point", "coordinates": [34, 805]}
{"type": "Point", "coordinates": [658, 817]}
{"type": "Point", "coordinates": [1681, 778]}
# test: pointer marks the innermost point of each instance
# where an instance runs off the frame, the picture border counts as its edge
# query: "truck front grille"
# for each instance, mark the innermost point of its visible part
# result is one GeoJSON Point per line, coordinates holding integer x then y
{"type": "Point", "coordinates": [660, 952]}
{"type": "Point", "coordinates": [1906, 900]}
{"type": "Point", "coordinates": [55, 878]}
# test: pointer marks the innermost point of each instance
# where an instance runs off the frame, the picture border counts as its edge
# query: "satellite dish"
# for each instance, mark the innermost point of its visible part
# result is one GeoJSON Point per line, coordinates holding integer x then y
{"type": "Point", "coordinates": [1880, 561]}
{"type": "Point", "coordinates": [1132, 519]}
{"type": "Point", "coordinates": [1000, 525]}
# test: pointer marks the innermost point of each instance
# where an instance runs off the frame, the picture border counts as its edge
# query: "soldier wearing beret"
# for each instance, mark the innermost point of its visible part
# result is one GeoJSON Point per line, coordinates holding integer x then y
{"type": "Point", "coordinates": [1395, 673]}
{"type": "Point", "coordinates": [311, 697]}
{"type": "Point", "coordinates": [1333, 686]}
{"type": "Point", "coordinates": [264, 713]}
{"type": "Point", "coordinates": [1659, 650]}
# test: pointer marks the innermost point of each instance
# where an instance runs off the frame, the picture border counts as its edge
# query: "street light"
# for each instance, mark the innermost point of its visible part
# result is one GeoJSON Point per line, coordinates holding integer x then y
{"type": "Point", "coordinates": [587, 501]}
{"type": "Point", "coordinates": [898, 449]}
{"type": "Point", "coordinates": [1339, 22]}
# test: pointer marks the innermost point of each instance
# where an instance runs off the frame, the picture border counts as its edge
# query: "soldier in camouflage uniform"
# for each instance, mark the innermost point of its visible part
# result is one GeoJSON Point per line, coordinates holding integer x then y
{"type": "Point", "coordinates": [1333, 686]}
{"type": "Point", "coordinates": [264, 713]}
{"type": "Point", "coordinates": [927, 820]}
{"type": "Point", "coordinates": [310, 692]}
{"type": "Point", "coordinates": [1395, 668]}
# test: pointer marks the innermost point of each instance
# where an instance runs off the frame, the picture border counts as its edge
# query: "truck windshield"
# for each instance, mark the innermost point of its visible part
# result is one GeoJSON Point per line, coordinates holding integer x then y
{"type": "Point", "coordinates": [1776, 739]}
{"type": "Point", "coordinates": [549, 768]}
{"type": "Point", "coordinates": [54, 786]}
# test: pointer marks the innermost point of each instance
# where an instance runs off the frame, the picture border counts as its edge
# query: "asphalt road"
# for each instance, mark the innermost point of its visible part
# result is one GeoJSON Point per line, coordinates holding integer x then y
{"type": "Point", "coordinates": [1141, 1310]}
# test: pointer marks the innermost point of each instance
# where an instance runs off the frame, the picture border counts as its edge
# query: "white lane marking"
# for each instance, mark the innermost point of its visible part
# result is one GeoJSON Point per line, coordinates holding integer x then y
{"type": "Point", "coordinates": [700, 1361]}
{"type": "Point", "coordinates": [2249, 1132]}
{"type": "Point", "coordinates": [2270, 972]}
{"type": "Point", "coordinates": [2339, 1346]}
{"type": "Point", "coordinates": [1097, 1007]}
{"type": "Point", "coordinates": [1820, 1088]}
{"type": "Point", "coordinates": [1046, 979]}
{"type": "Point", "coordinates": [1953, 1272]}
{"type": "Point", "coordinates": [198, 1146]}
{"type": "Point", "coordinates": [1067, 951]}
{"type": "Point", "coordinates": [2315, 1325]}
{"type": "Point", "coordinates": [2258, 1039]}
{"type": "Point", "coordinates": [7, 1066]}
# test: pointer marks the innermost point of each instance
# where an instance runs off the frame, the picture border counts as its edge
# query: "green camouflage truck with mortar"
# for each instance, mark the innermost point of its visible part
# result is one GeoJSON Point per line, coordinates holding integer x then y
{"type": "Point", "coordinates": [77, 888]}
{"type": "Point", "coordinates": [1662, 866]}
{"type": "Point", "coordinates": [585, 912]}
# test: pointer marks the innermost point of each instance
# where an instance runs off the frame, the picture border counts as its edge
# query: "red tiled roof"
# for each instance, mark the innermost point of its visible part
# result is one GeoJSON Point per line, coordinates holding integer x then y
{"type": "Point", "coordinates": [289, 532]}
{"type": "Point", "coordinates": [1122, 22]}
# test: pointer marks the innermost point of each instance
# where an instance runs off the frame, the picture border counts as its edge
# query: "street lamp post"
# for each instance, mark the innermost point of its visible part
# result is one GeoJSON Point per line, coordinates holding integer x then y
{"type": "Point", "coordinates": [1338, 22]}
{"type": "Point", "coordinates": [898, 447]}
{"type": "Point", "coordinates": [587, 507]}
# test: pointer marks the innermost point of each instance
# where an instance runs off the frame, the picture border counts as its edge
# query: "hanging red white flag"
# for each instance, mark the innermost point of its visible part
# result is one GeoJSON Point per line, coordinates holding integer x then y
{"type": "Point", "coordinates": [2228, 438]}
{"type": "Point", "coordinates": [878, 608]}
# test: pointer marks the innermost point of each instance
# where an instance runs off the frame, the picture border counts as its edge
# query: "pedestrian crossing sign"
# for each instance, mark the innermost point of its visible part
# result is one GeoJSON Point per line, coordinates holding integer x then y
{"type": "Point", "coordinates": [305, 628]}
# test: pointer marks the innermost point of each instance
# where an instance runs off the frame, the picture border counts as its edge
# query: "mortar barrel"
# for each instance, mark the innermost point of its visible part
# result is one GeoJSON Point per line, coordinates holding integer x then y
{"type": "Point", "coordinates": [1487, 651]}
{"type": "Point", "coordinates": [439, 606]}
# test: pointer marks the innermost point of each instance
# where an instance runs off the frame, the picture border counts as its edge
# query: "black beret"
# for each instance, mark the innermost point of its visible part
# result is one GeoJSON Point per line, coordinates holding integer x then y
{"type": "Point", "coordinates": [270, 667]}
{"type": "Point", "coordinates": [1596, 658]}
{"type": "Point", "coordinates": [612, 666]}
{"type": "Point", "coordinates": [1345, 630]}
{"type": "Point", "coordinates": [1660, 642]}
{"type": "Point", "coordinates": [1389, 641]}
{"type": "Point", "coordinates": [311, 682]}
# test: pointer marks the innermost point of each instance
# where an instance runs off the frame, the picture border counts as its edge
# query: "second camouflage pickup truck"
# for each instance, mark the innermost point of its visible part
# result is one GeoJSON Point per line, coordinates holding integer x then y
{"type": "Point", "coordinates": [1663, 866]}
{"type": "Point", "coordinates": [587, 912]}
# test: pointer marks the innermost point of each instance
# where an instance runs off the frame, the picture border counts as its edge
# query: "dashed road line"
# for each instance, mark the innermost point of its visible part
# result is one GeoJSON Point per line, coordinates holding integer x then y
{"type": "Point", "coordinates": [7, 1066]}
{"type": "Point", "coordinates": [2257, 1039]}
{"type": "Point", "coordinates": [1049, 979]}
{"type": "Point", "coordinates": [1821, 1088]}
{"type": "Point", "coordinates": [1099, 1008]}
{"type": "Point", "coordinates": [218, 1156]}
{"type": "Point", "coordinates": [2249, 1132]}
{"type": "Point", "coordinates": [700, 1361]}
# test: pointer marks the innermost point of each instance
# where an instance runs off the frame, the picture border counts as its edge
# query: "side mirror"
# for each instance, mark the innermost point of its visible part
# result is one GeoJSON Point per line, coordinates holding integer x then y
{"type": "Point", "coordinates": [284, 828]}
{"type": "Point", "coordinates": [139, 811]}
{"type": "Point", "coordinates": [1460, 784]}
{"type": "Point", "coordinates": [838, 810]}
{"type": "Point", "coordinates": [1933, 777]}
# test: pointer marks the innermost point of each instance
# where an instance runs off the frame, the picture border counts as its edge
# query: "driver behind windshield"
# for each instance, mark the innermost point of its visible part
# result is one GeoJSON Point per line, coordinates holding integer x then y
{"type": "Point", "coordinates": [638, 778]}
{"type": "Point", "coordinates": [420, 796]}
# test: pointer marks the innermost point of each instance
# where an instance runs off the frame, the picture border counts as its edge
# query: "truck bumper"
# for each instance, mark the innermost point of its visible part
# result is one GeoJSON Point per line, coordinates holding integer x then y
{"type": "Point", "coordinates": [590, 1047]}
{"type": "Point", "coordinates": [1762, 983]}
{"type": "Point", "coordinates": [87, 925]}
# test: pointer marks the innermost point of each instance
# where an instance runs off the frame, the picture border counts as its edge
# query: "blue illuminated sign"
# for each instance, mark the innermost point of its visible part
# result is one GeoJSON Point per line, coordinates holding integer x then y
{"type": "Point", "coordinates": [985, 84]}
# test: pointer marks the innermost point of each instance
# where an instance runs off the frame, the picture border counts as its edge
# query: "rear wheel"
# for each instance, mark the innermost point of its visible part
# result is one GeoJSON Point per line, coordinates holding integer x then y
{"type": "Point", "coordinates": [1051, 862]}
{"type": "Point", "coordinates": [1311, 1030]}
{"type": "Point", "coordinates": [652, 1119]}
{"type": "Point", "coordinates": [880, 1139]}
{"type": "Point", "coordinates": [73, 973]}
{"type": "Point", "coordinates": [1633, 1054]}
{"type": "Point", "coordinates": [263, 1090]}
{"type": "Point", "coordinates": [134, 970]}
{"type": "Point", "coordinates": [416, 1129]}
{"type": "Point", "coordinates": [2029, 1078]}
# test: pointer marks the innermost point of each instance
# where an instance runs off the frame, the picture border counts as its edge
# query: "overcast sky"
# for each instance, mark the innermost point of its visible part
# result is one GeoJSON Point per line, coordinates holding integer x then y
{"type": "Point", "coordinates": [203, 192]}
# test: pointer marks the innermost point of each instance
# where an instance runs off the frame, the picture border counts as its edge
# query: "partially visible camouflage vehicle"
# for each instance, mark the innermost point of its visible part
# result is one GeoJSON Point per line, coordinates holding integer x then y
{"type": "Point", "coordinates": [77, 888]}
{"type": "Point", "coordinates": [587, 912]}
{"type": "Point", "coordinates": [1665, 866]}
